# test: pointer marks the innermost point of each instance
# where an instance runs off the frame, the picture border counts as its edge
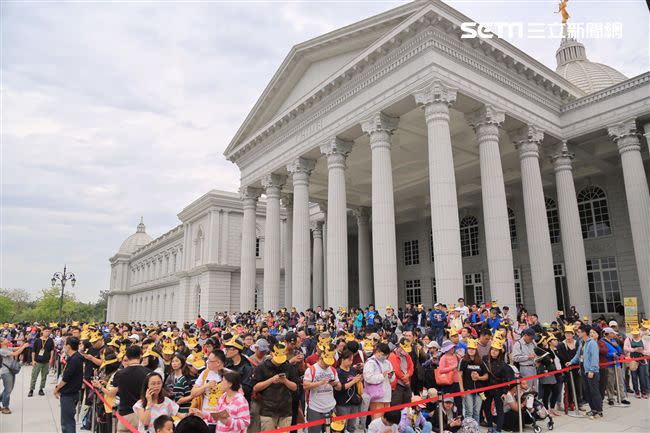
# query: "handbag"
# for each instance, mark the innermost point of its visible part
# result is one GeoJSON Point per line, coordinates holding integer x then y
{"type": "Point", "coordinates": [633, 365]}
{"type": "Point", "coordinates": [374, 390]}
{"type": "Point", "coordinates": [12, 364]}
{"type": "Point", "coordinates": [197, 402]}
{"type": "Point", "coordinates": [443, 378]}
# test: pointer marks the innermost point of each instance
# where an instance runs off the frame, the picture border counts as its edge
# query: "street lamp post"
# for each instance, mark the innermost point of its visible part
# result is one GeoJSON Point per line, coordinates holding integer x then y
{"type": "Point", "coordinates": [63, 278]}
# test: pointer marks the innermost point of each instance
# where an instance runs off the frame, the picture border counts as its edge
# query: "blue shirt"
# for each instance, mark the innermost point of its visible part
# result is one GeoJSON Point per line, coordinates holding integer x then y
{"type": "Point", "coordinates": [494, 323]}
{"type": "Point", "coordinates": [370, 317]}
{"type": "Point", "coordinates": [438, 318]}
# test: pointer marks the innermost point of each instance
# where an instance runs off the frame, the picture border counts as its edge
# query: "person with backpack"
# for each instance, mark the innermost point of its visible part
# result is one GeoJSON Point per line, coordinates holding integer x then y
{"type": "Point", "coordinates": [320, 381]}
{"type": "Point", "coordinates": [9, 368]}
{"type": "Point", "coordinates": [498, 372]}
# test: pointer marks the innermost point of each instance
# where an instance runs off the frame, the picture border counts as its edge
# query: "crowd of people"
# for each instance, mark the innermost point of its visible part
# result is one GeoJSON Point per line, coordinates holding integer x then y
{"type": "Point", "coordinates": [257, 371]}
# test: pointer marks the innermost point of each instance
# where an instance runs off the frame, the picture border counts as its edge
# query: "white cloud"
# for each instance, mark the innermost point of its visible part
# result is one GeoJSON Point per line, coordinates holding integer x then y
{"type": "Point", "coordinates": [112, 111]}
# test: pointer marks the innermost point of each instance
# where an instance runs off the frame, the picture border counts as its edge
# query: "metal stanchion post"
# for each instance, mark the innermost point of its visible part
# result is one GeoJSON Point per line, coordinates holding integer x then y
{"type": "Point", "coordinates": [328, 423]}
{"type": "Point", "coordinates": [576, 413]}
{"type": "Point", "coordinates": [521, 420]}
{"type": "Point", "coordinates": [619, 398]}
{"type": "Point", "coordinates": [92, 413]}
{"type": "Point", "coordinates": [114, 422]}
{"type": "Point", "coordinates": [441, 422]}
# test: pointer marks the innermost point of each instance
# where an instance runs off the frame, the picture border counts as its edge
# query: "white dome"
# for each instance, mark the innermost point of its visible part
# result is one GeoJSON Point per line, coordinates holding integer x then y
{"type": "Point", "coordinates": [138, 239]}
{"type": "Point", "coordinates": [572, 64]}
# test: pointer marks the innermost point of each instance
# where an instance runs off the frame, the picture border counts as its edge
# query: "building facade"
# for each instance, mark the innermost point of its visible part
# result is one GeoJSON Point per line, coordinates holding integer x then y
{"type": "Point", "coordinates": [401, 162]}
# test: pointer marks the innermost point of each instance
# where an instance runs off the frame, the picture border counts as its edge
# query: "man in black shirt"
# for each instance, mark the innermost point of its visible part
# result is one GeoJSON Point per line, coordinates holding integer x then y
{"type": "Point", "coordinates": [68, 389]}
{"type": "Point", "coordinates": [42, 356]}
{"type": "Point", "coordinates": [127, 384]}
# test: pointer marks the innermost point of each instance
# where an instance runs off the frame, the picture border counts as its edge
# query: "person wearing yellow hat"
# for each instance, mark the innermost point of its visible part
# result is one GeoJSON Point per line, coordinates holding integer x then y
{"type": "Point", "coordinates": [403, 366]}
{"type": "Point", "coordinates": [274, 383]}
{"type": "Point", "coordinates": [635, 347]}
{"type": "Point", "coordinates": [236, 362]}
{"type": "Point", "coordinates": [566, 350]}
{"type": "Point", "coordinates": [474, 375]}
{"type": "Point", "coordinates": [319, 382]}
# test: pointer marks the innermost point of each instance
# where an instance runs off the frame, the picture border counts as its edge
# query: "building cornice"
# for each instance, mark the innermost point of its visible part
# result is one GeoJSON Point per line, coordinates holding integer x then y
{"type": "Point", "coordinates": [609, 92]}
{"type": "Point", "coordinates": [494, 58]}
{"type": "Point", "coordinates": [163, 240]}
{"type": "Point", "coordinates": [216, 200]}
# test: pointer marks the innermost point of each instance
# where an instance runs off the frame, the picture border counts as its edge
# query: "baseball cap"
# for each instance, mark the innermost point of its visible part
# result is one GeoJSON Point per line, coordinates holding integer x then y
{"type": "Point", "coordinates": [613, 323]}
{"type": "Point", "coordinates": [529, 331]}
{"type": "Point", "coordinates": [433, 344]}
{"type": "Point", "coordinates": [448, 400]}
{"type": "Point", "coordinates": [262, 345]}
{"type": "Point", "coordinates": [290, 337]}
{"type": "Point", "coordinates": [135, 337]}
{"type": "Point", "coordinates": [609, 331]}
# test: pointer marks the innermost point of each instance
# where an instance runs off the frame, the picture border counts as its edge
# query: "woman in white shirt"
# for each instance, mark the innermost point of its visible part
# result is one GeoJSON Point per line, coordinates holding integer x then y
{"type": "Point", "coordinates": [378, 371]}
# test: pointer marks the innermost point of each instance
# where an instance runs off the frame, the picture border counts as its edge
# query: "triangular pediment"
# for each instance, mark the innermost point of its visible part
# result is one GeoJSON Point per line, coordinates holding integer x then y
{"type": "Point", "coordinates": [312, 62]}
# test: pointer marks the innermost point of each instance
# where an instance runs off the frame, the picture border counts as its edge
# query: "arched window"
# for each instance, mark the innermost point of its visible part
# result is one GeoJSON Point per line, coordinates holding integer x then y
{"type": "Point", "coordinates": [594, 214]}
{"type": "Point", "coordinates": [469, 236]}
{"type": "Point", "coordinates": [198, 245]}
{"type": "Point", "coordinates": [514, 242]}
{"type": "Point", "coordinates": [553, 220]}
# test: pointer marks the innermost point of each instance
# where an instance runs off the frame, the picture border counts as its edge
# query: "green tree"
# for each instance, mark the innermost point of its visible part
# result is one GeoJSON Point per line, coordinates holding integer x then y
{"type": "Point", "coordinates": [7, 308]}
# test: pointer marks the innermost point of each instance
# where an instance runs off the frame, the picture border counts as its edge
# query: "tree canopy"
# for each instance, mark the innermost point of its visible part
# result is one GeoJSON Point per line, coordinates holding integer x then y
{"type": "Point", "coordinates": [16, 305]}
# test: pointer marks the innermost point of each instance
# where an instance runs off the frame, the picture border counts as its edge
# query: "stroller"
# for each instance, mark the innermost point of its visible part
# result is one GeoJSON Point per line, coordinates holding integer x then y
{"type": "Point", "coordinates": [533, 410]}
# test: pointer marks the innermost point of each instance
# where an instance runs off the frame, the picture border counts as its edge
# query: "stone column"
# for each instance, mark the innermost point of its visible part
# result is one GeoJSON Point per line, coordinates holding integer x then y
{"type": "Point", "coordinates": [325, 285]}
{"type": "Point", "coordinates": [626, 137]}
{"type": "Point", "coordinates": [486, 123]}
{"type": "Point", "coordinates": [300, 170]}
{"type": "Point", "coordinates": [272, 184]}
{"type": "Point", "coordinates": [364, 257]}
{"type": "Point", "coordinates": [287, 202]}
{"type": "Point", "coordinates": [527, 140]}
{"type": "Point", "coordinates": [646, 129]}
{"type": "Point", "coordinates": [448, 264]}
{"type": "Point", "coordinates": [337, 151]}
{"type": "Point", "coordinates": [249, 197]}
{"type": "Point", "coordinates": [379, 128]}
{"type": "Point", "coordinates": [317, 276]}
{"type": "Point", "coordinates": [573, 248]}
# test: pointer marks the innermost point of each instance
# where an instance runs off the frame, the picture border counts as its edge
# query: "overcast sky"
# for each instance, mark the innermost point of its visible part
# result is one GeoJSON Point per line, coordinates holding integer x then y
{"type": "Point", "coordinates": [111, 111]}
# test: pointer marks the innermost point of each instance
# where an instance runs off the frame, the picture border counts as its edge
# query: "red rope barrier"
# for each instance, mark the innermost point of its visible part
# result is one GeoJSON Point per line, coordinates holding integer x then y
{"type": "Point", "coordinates": [454, 394]}
{"type": "Point", "coordinates": [116, 413]}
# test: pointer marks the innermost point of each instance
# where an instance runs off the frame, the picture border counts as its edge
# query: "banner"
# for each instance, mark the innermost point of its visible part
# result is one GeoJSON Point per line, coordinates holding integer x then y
{"type": "Point", "coordinates": [631, 313]}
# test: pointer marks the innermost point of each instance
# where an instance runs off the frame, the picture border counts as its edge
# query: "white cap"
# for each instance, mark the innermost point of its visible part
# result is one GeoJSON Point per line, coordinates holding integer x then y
{"type": "Point", "coordinates": [613, 323]}
{"type": "Point", "coordinates": [432, 344]}
{"type": "Point", "coordinates": [136, 337]}
{"type": "Point", "coordinates": [609, 331]}
{"type": "Point", "coordinates": [436, 304]}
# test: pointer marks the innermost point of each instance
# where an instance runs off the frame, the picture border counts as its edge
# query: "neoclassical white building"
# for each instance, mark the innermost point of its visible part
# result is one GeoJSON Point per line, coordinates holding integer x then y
{"type": "Point", "coordinates": [400, 162]}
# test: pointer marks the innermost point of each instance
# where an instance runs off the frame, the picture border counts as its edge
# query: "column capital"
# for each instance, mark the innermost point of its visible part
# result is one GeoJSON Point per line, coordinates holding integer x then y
{"type": "Point", "coordinates": [486, 115]}
{"type": "Point", "coordinates": [272, 183]}
{"type": "Point", "coordinates": [287, 200]}
{"type": "Point", "coordinates": [563, 159]}
{"type": "Point", "coordinates": [362, 214]}
{"type": "Point", "coordinates": [317, 229]}
{"type": "Point", "coordinates": [626, 136]}
{"type": "Point", "coordinates": [301, 165]}
{"type": "Point", "coordinates": [249, 195]}
{"type": "Point", "coordinates": [435, 99]}
{"type": "Point", "coordinates": [336, 146]}
{"type": "Point", "coordinates": [379, 122]}
{"type": "Point", "coordinates": [527, 141]}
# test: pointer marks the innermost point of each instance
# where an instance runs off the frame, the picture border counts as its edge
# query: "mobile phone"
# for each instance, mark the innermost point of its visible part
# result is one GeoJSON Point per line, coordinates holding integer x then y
{"type": "Point", "coordinates": [282, 374]}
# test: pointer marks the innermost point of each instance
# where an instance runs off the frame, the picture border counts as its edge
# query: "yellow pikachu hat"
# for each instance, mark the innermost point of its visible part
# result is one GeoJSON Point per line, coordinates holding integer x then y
{"type": "Point", "coordinates": [472, 343]}
{"type": "Point", "coordinates": [279, 354]}
{"type": "Point", "coordinates": [168, 348]}
{"type": "Point", "coordinates": [497, 343]}
{"type": "Point", "coordinates": [327, 353]}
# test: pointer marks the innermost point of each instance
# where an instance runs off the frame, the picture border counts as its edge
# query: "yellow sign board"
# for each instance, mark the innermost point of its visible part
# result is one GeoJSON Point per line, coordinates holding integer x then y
{"type": "Point", "coordinates": [631, 312]}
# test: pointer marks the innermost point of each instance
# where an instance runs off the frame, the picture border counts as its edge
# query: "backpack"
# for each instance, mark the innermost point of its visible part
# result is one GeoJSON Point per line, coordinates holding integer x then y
{"type": "Point", "coordinates": [469, 425]}
{"type": "Point", "coordinates": [312, 370]}
{"type": "Point", "coordinates": [12, 364]}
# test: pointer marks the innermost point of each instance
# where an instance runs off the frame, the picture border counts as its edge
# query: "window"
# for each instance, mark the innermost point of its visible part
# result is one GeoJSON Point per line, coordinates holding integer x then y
{"type": "Point", "coordinates": [514, 242]}
{"type": "Point", "coordinates": [553, 220]}
{"type": "Point", "coordinates": [594, 215]}
{"type": "Point", "coordinates": [257, 247]}
{"type": "Point", "coordinates": [519, 299]}
{"type": "Point", "coordinates": [413, 292]}
{"type": "Point", "coordinates": [198, 245]}
{"type": "Point", "coordinates": [474, 288]}
{"type": "Point", "coordinates": [469, 236]}
{"type": "Point", "coordinates": [434, 290]}
{"type": "Point", "coordinates": [411, 253]}
{"type": "Point", "coordinates": [561, 289]}
{"type": "Point", "coordinates": [604, 290]}
{"type": "Point", "coordinates": [431, 244]}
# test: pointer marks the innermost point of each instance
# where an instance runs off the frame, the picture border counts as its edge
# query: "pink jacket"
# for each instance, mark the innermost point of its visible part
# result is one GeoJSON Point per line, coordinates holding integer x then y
{"type": "Point", "coordinates": [627, 347]}
{"type": "Point", "coordinates": [449, 363]}
{"type": "Point", "coordinates": [240, 416]}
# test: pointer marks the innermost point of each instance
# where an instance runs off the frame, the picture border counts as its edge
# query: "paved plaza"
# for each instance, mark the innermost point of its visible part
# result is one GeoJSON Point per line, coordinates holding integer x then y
{"type": "Point", "coordinates": [41, 414]}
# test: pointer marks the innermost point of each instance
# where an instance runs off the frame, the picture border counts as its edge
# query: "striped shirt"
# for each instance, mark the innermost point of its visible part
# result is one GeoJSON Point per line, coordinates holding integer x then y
{"type": "Point", "coordinates": [237, 408]}
{"type": "Point", "coordinates": [182, 388]}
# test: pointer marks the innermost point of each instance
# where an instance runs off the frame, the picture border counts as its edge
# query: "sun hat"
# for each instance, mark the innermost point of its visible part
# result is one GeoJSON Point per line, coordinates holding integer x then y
{"type": "Point", "coordinates": [447, 346]}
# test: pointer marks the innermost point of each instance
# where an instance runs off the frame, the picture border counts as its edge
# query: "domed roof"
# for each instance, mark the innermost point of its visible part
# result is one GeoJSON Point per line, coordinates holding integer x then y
{"type": "Point", "coordinates": [138, 239]}
{"type": "Point", "coordinates": [572, 64]}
